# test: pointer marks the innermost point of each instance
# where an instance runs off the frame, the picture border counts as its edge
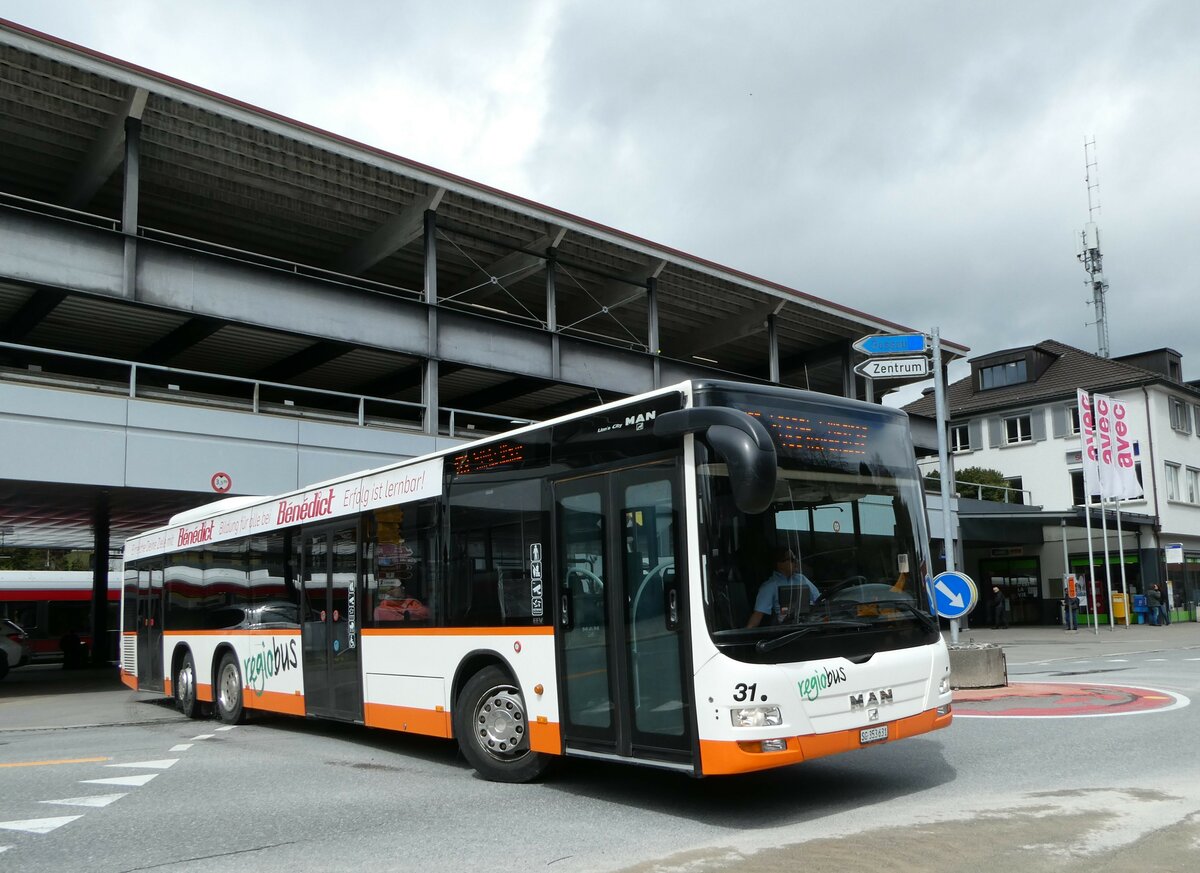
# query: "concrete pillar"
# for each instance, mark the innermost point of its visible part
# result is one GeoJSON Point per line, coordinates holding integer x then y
{"type": "Point", "coordinates": [652, 341]}
{"type": "Point", "coordinates": [773, 347]}
{"type": "Point", "coordinates": [552, 313]}
{"type": "Point", "coordinates": [129, 203]}
{"type": "Point", "coordinates": [100, 547]}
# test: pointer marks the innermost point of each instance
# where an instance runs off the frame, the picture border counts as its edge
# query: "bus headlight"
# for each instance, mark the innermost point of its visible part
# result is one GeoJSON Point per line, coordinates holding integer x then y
{"type": "Point", "coordinates": [756, 716]}
{"type": "Point", "coordinates": [944, 685]}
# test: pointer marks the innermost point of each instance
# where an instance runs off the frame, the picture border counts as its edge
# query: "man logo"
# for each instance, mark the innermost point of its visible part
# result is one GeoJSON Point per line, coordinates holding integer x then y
{"type": "Point", "coordinates": [882, 697]}
{"type": "Point", "coordinates": [639, 420]}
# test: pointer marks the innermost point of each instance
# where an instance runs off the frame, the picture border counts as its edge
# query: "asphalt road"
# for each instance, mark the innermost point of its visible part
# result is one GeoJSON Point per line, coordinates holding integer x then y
{"type": "Point", "coordinates": [1005, 794]}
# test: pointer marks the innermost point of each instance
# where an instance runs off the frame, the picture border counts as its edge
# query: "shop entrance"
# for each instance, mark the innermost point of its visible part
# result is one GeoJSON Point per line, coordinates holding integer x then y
{"type": "Point", "coordinates": [1020, 581]}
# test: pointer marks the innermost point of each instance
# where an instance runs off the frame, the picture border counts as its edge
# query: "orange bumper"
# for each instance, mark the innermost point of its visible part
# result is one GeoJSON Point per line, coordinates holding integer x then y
{"type": "Point", "coordinates": [718, 757]}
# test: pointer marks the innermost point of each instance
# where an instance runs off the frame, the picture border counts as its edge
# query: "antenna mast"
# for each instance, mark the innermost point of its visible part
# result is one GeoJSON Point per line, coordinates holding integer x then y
{"type": "Point", "coordinates": [1089, 248]}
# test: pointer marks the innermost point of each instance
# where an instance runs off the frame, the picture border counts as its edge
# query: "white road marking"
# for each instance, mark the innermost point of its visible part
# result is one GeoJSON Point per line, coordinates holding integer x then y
{"type": "Point", "coordinates": [203, 737]}
{"type": "Point", "coordinates": [227, 727]}
{"type": "Point", "coordinates": [161, 764]}
{"type": "Point", "coordinates": [38, 825]}
{"type": "Point", "coordinates": [1156, 659]}
{"type": "Point", "coordinates": [5, 848]}
{"type": "Point", "coordinates": [139, 780]}
{"type": "Point", "coordinates": [93, 800]}
{"type": "Point", "coordinates": [182, 747]}
{"type": "Point", "coordinates": [1118, 660]}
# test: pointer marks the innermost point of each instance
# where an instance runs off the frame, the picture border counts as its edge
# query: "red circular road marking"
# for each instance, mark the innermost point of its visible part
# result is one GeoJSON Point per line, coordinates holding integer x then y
{"type": "Point", "coordinates": [1058, 699]}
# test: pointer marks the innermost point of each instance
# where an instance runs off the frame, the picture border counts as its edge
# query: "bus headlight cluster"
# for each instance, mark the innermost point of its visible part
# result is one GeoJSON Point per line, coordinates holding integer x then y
{"type": "Point", "coordinates": [944, 685]}
{"type": "Point", "coordinates": [756, 716]}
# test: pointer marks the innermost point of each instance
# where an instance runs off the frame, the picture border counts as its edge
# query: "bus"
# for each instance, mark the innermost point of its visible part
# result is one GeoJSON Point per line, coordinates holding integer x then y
{"type": "Point", "coordinates": [48, 604]}
{"type": "Point", "coordinates": [583, 587]}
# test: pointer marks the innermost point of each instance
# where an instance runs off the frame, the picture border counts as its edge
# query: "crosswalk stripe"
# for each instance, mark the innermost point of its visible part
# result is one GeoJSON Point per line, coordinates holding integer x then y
{"type": "Point", "coordinates": [38, 825]}
{"type": "Point", "coordinates": [182, 747]}
{"type": "Point", "coordinates": [227, 727]}
{"type": "Point", "coordinates": [92, 800]}
{"type": "Point", "coordinates": [162, 764]}
{"type": "Point", "coordinates": [140, 779]}
{"type": "Point", "coordinates": [203, 737]}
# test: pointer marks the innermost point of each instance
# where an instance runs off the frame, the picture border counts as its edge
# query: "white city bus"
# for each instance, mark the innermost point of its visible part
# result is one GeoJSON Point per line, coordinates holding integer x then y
{"type": "Point", "coordinates": [582, 587]}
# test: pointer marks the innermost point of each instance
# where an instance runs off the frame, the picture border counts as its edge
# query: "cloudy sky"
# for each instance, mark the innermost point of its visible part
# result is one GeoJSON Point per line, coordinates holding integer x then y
{"type": "Point", "coordinates": [922, 161]}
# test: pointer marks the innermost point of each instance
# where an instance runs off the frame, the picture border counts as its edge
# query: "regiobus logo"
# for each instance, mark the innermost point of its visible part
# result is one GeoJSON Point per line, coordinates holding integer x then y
{"type": "Point", "coordinates": [321, 503]}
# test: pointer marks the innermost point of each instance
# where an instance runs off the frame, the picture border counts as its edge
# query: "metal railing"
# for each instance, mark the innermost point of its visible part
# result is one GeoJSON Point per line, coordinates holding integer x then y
{"type": "Point", "coordinates": [76, 371]}
{"type": "Point", "coordinates": [1023, 496]}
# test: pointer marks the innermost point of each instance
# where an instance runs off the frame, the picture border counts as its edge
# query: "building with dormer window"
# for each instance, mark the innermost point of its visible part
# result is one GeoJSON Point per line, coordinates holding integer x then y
{"type": "Point", "coordinates": [1017, 413]}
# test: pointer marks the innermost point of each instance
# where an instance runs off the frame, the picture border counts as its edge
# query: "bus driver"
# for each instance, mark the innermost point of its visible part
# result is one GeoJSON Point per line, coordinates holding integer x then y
{"type": "Point", "coordinates": [787, 573]}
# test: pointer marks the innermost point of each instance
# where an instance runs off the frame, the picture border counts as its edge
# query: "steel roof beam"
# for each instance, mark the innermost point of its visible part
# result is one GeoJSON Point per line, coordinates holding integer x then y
{"type": "Point", "coordinates": [179, 340]}
{"type": "Point", "coordinates": [302, 361]}
{"type": "Point", "coordinates": [30, 315]}
{"type": "Point", "coordinates": [501, 393]}
{"type": "Point", "coordinates": [728, 330]}
{"type": "Point", "coordinates": [401, 379]}
{"type": "Point", "coordinates": [105, 155]}
{"type": "Point", "coordinates": [398, 231]}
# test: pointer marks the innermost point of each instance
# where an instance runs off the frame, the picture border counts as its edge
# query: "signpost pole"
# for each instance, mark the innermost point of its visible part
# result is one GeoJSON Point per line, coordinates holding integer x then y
{"type": "Point", "coordinates": [939, 396]}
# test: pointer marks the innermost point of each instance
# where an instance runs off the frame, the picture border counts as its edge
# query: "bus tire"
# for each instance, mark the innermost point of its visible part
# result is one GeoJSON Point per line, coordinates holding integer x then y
{"type": "Point", "coordinates": [229, 703]}
{"type": "Point", "coordinates": [185, 688]}
{"type": "Point", "coordinates": [490, 724]}
{"type": "Point", "coordinates": [3, 664]}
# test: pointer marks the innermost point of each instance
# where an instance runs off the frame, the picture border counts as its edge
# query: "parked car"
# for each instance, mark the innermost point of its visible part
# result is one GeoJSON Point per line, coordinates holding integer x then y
{"type": "Point", "coordinates": [14, 646]}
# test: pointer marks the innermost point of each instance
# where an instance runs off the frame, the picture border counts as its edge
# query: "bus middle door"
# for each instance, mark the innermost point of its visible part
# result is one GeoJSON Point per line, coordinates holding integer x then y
{"type": "Point", "coordinates": [330, 628]}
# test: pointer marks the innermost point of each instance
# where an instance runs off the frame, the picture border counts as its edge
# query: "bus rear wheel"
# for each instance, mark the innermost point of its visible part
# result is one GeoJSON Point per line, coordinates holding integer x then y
{"type": "Point", "coordinates": [230, 705]}
{"type": "Point", "coordinates": [185, 688]}
{"type": "Point", "coordinates": [490, 723]}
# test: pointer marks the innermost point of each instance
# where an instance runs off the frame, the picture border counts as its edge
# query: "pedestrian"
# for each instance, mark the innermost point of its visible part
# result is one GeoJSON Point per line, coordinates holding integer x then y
{"type": "Point", "coordinates": [1071, 606]}
{"type": "Point", "coordinates": [999, 616]}
{"type": "Point", "coordinates": [1164, 605]}
{"type": "Point", "coordinates": [1153, 604]}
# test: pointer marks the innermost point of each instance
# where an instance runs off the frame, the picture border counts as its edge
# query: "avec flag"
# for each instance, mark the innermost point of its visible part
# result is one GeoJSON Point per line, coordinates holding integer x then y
{"type": "Point", "coordinates": [1087, 434]}
{"type": "Point", "coordinates": [1118, 474]}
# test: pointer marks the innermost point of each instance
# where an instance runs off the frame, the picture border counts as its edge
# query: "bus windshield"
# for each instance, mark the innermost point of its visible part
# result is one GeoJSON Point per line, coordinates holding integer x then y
{"type": "Point", "coordinates": [836, 564]}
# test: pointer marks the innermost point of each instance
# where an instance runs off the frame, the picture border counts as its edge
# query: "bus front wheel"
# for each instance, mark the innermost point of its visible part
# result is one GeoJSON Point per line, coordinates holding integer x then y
{"type": "Point", "coordinates": [230, 708]}
{"type": "Point", "coordinates": [185, 688]}
{"type": "Point", "coordinates": [490, 723]}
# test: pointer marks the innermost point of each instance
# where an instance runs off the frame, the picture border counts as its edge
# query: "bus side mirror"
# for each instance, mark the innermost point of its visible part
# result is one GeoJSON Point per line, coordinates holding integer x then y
{"type": "Point", "coordinates": [741, 441]}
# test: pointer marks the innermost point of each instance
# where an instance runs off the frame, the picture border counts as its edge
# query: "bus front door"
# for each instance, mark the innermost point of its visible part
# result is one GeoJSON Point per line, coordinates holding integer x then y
{"type": "Point", "coordinates": [329, 633]}
{"type": "Point", "coordinates": [622, 635]}
{"type": "Point", "coordinates": [150, 630]}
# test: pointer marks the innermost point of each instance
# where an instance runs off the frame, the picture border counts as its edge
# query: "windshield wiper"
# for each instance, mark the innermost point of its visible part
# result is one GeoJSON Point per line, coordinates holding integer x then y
{"type": "Point", "coordinates": [925, 618]}
{"type": "Point", "coordinates": [772, 644]}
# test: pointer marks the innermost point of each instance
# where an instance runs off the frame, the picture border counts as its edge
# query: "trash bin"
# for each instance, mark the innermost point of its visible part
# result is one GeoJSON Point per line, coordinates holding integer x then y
{"type": "Point", "coordinates": [1118, 606]}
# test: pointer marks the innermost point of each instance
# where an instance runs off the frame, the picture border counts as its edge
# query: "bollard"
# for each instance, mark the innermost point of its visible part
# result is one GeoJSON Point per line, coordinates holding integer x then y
{"type": "Point", "coordinates": [978, 666]}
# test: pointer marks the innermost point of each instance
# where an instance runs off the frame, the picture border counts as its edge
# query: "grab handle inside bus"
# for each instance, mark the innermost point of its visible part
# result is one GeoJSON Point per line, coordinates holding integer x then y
{"type": "Point", "coordinates": [741, 441]}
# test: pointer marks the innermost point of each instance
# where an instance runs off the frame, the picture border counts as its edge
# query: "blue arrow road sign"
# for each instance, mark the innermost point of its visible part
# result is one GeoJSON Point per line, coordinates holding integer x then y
{"type": "Point", "coordinates": [892, 343]}
{"type": "Point", "coordinates": [954, 594]}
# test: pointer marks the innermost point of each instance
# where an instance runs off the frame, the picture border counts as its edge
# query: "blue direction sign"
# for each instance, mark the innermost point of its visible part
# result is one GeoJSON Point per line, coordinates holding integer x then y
{"type": "Point", "coordinates": [892, 344]}
{"type": "Point", "coordinates": [954, 594]}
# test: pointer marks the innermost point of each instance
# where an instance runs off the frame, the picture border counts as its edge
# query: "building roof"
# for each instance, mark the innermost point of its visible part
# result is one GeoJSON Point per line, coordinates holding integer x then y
{"type": "Point", "coordinates": [1072, 368]}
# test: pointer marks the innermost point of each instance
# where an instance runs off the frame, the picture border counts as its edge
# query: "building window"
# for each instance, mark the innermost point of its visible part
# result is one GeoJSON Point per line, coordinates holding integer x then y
{"type": "Point", "coordinates": [1012, 373]}
{"type": "Point", "coordinates": [1172, 481]}
{"type": "Point", "coordinates": [1017, 430]}
{"type": "Point", "coordinates": [1073, 420]}
{"type": "Point", "coordinates": [1197, 411]}
{"type": "Point", "coordinates": [1017, 494]}
{"type": "Point", "coordinates": [1193, 485]}
{"type": "Point", "coordinates": [1180, 420]}
{"type": "Point", "coordinates": [960, 438]}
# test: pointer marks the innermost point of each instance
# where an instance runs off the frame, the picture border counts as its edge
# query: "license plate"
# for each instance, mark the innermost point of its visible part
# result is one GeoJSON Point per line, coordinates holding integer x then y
{"type": "Point", "coordinates": [873, 734]}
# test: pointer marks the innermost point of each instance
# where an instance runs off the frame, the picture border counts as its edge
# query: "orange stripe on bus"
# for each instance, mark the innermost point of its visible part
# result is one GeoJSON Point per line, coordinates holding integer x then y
{"type": "Point", "coordinates": [167, 688]}
{"type": "Point", "coordinates": [733, 756]}
{"type": "Point", "coordinates": [273, 701]}
{"type": "Point", "coordinates": [407, 718]}
{"type": "Point", "coordinates": [204, 693]}
{"type": "Point", "coordinates": [534, 630]}
{"type": "Point", "coordinates": [234, 632]}
{"type": "Point", "coordinates": [129, 679]}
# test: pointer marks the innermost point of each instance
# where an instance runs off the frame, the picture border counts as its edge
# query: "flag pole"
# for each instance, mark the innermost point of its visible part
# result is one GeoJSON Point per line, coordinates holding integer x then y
{"type": "Point", "coordinates": [1087, 515]}
{"type": "Point", "coordinates": [1121, 557]}
{"type": "Point", "coordinates": [1107, 565]}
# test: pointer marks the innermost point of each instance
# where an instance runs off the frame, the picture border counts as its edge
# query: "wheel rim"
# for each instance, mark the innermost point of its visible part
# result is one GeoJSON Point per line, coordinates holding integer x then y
{"type": "Point", "coordinates": [186, 684]}
{"type": "Point", "coordinates": [230, 688]}
{"type": "Point", "coordinates": [500, 723]}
